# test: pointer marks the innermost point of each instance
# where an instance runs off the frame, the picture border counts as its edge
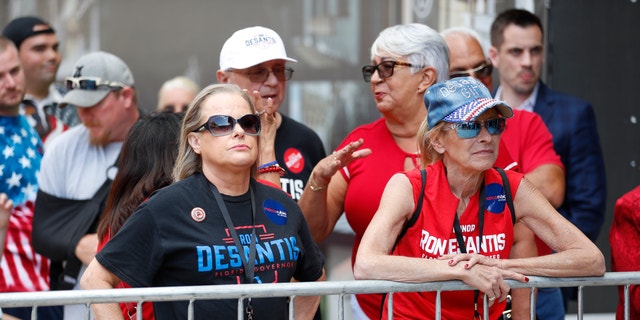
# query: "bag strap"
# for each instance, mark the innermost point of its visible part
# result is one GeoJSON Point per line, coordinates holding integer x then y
{"type": "Point", "coordinates": [410, 223]}
{"type": "Point", "coordinates": [416, 213]}
{"type": "Point", "coordinates": [507, 191]}
{"type": "Point", "coordinates": [69, 276]}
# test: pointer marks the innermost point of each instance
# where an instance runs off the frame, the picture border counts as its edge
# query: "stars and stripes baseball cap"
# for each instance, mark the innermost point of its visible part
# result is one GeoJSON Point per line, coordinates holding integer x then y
{"type": "Point", "coordinates": [460, 99]}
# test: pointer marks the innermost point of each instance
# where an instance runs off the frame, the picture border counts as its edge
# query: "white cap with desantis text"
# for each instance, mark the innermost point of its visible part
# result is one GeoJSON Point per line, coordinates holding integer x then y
{"type": "Point", "coordinates": [251, 46]}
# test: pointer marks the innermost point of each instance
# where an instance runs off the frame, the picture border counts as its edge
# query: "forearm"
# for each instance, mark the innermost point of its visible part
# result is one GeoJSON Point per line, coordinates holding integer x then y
{"type": "Point", "coordinates": [97, 277]}
{"type": "Point", "coordinates": [306, 306]}
{"type": "Point", "coordinates": [404, 269]}
{"type": "Point", "coordinates": [313, 204]}
{"type": "Point", "coordinates": [520, 303]}
{"type": "Point", "coordinates": [87, 247]}
{"type": "Point", "coordinates": [579, 262]}
{"type": "Point", "coordinates": [106, 311]}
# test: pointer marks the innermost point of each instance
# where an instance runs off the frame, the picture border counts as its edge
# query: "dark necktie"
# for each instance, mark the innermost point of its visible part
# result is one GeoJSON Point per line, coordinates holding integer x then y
{"type": "Point", "coordinates": [30, 110]}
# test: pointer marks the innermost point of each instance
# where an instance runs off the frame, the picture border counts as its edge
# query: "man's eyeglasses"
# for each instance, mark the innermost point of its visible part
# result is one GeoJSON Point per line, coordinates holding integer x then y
{"type": "Point", "coordinates": [384, 68]}
{"type": "Point", "coordinates": [471, 129]}
{"type": "Point", "coordinates": [260, 75]}
{"type": "Point", "coordinates": [481, 71]}
{"type": "Point", "coordinates": [220, 125]}
{"type": "Point", "coordinates": [90, 83]}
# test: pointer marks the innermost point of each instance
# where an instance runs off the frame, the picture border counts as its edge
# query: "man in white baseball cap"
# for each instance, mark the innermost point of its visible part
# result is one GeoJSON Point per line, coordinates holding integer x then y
{"type": "Point", "coordinates": [255, 59]}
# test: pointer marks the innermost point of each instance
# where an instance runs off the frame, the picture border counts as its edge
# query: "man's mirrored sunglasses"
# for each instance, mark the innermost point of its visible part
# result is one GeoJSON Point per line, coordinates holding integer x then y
{"type": "Point", "coordinates": [90, 83]}
{"type": "Point", "coordinates": [471, 129]}
{"type": "Point", "coordinates": [481, 71]}
{"type": "Point", "coordinates": [219, 125]}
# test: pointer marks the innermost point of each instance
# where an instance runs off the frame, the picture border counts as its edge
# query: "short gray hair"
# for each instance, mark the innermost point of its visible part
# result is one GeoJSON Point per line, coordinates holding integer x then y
{"type": "Point", "coordinates": [418, 43]}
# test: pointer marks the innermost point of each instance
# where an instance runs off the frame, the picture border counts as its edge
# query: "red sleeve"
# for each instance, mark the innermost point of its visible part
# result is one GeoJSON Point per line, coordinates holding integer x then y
{"type": "Point", "coordinates": [538, 144]}
{"type": "Point", "coordinates": [624, 237]}
{"type": "Point", "coordinates": [528, 142]}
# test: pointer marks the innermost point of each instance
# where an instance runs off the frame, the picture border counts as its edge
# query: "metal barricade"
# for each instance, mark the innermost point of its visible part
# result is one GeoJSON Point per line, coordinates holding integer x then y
{"type": "Point", "coordinates": [293, 289]}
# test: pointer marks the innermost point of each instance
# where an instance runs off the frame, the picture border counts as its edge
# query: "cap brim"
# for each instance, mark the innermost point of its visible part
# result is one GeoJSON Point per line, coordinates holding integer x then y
{"type": "Point", "coordinates": [473, 109]}
{"type": "Point", "coordinates": [83, 98]}
{"type": "Point", "coordinates": [504, 109]}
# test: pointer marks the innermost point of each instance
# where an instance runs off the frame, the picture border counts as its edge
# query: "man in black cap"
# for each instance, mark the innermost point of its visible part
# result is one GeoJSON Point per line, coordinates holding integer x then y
{"type": "Point", "coordinates": [37, 45]}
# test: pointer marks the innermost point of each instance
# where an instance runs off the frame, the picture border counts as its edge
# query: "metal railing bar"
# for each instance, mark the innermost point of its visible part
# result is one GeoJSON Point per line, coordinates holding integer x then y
{"type": "Point", "coordinates": [292, 307]}
{"type": "Point", "coordinates": [532, 304]}
{"type": "Point", "coordinates": [190, 293]}
{"type": "Point", "coordinates": [341, 307]}
{"type": "Point", "coordinates": [627, 307]}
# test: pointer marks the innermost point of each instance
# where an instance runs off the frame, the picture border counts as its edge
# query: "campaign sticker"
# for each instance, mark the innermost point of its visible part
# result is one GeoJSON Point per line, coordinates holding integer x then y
{"type": "Point", "coordinates": [495, 198]}
{"type": "Point", "coordinates": [197, 214]}
{"type": "Point", "coordinates": [275, 211]}
{"type": "Point", "coordinates": [294, 160]}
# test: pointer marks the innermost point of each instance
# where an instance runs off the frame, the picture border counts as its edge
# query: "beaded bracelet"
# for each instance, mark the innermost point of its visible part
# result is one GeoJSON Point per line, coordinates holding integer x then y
{"type": "Point", "coordinates": [272, 168]}
{"type": "Point", "coordinates": [268, 164]}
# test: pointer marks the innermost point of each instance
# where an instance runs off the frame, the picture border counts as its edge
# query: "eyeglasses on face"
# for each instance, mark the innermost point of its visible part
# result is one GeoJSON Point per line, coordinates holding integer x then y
{"type": "Point", "coordinates": [471, 129]}
{"type": "Point", "coordinates": [219, 125]}
{"type": "Point", "coordinates": [481, 71]}
{"type": "Point", "coordinates": [260, 75]}
{"type": "Point", "coordinates": [384, 68]}
{"type": "Point", "coordinates": [90, 83]}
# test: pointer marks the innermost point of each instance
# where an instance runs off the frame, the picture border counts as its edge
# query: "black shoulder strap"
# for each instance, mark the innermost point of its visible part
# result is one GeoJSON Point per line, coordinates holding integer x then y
{"type": "Point", "coordinates": [409, 224]}
{"type": "Point", "coordinates": [416, 213]}
{"type": "Point", "coordinates": [507, 191]}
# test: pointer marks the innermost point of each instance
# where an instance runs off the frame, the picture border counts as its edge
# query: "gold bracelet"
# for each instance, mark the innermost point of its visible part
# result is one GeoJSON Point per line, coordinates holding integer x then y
{"type": "Point", "coordinates": [315, 188]}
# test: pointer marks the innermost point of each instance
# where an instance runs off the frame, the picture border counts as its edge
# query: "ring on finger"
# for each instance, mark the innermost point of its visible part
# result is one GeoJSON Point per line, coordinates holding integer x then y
{"type": "Point", "coordinates": [335, 158]}
{"type": "Point", "coordinates": [492, 298]}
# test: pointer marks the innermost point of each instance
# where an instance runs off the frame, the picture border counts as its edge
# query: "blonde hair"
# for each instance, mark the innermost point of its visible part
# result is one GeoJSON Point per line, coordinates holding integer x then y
{"type": "Point", "coordinates": [188, 162]}
{"type": "Point", "coordinates": [428, 154]}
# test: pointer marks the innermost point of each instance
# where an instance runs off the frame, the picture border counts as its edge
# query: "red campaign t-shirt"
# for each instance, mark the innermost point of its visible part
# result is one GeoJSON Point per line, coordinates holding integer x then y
{"type": "Point", "coordinates": [432, 236]}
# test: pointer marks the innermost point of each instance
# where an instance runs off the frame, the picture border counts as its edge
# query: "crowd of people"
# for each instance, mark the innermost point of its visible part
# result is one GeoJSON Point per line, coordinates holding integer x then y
{"type": "Point", "coordinates": [453, 182]}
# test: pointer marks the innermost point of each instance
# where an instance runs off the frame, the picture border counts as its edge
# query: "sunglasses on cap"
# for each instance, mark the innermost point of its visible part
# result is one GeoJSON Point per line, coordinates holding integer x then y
{"type": "Point", "coordinates": [384, 68]}
{"type": "Point", "coordinates": [260, 75]}
{"type": "Point", "coordinates": [471, 129]}
{"type": "Point", "coordinates": [220, 125]}
{"type": "Point", "coordinates": [481, 71]}
{"type": "Point", "coordinates": [90, 83]}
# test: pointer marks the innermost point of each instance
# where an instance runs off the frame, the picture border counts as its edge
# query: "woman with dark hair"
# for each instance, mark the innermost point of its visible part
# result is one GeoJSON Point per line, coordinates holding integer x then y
{"type": "Point", "coordinates": [145, 165]}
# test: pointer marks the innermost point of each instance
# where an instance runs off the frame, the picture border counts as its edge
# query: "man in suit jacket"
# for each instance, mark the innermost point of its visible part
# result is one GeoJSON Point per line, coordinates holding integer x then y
{"type": "Point", "coordinates": [517, 51]}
